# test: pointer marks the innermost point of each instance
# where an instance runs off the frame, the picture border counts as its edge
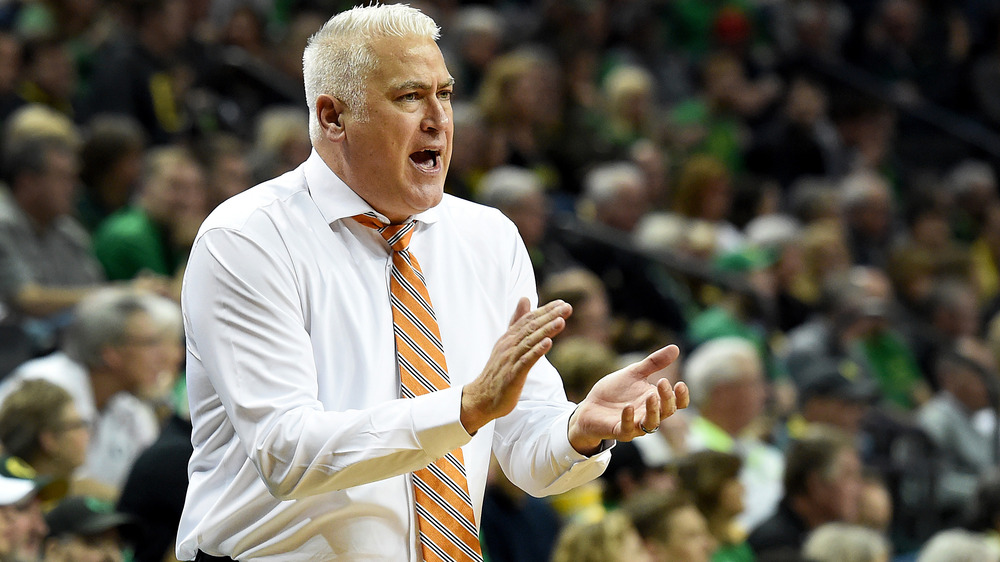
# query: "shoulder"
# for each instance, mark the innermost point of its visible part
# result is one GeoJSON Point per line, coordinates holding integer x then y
{"type": "Point", "coordinates": [264, 200]}
{"type": "Point", "coordinates": [474, 218]}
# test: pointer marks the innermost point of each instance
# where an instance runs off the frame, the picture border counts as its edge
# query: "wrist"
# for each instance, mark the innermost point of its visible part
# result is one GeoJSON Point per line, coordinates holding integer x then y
{"type": "Point", "coordinates": [581, 443]}
{"type": "Point", "coordinates": [470, 414]}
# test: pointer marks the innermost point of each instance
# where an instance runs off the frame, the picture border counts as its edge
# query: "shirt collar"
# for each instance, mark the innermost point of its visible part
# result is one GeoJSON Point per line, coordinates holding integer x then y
{"type": "Point", "coordinates": [336, 200]}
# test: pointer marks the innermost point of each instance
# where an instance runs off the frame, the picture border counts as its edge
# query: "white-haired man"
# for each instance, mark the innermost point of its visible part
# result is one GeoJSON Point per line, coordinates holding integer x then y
{"type": "Point", "coordinates": [351, 365]}
{"type": "Point", "coordinates": [728, 390]}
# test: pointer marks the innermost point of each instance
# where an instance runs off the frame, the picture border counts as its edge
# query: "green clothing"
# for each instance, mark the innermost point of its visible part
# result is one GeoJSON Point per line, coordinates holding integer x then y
{"type": "Point", "coordinates": [129, 242]}
{"type": "Point", "coordinates": [734, 553]}
{"type": "Point", "coordinates": [893, 367]}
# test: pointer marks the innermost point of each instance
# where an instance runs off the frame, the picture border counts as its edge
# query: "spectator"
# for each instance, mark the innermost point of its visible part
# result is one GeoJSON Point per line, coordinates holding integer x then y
{"type": "Point", "coordinates": [85, 529]}
{"type": "Point", "coordinates": [114, 352]}
{"type": "Point", "coordinates": [615, 196]}
{"type": "Point", "coordinates": [843, 542]}
{"type": "Point", "coordinates": [111, 166]}
{"type": "Point", "coordinates": [22, 527]}
{"type": "Point", "coordinates": [610, 539]}
{"type": "Point", "coordinates": [728, 390]}
{"type": "Point", "coordinates": [41, 427]}
{"type": "Point", "coordinates": [822, 485]}
{"type": "Point", "coordinates": [712, 480]}
{"type": "Point", "coordinates": [671, 527]}
{"type": "Point", "coordinates": [45, 262]}
{"type": "Point", "coordinates": [154, 236]}
{"type": "Point", "coordinates": [957, 545]}
{"type": "Point", "coordinates": [967, 377]}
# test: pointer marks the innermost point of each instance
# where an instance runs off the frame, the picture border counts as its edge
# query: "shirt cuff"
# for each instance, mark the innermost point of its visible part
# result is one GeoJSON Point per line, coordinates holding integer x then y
{"type": "Point", "coordinates": [437, 422]}
{"type": "Point", "coordinates": [564, 449]}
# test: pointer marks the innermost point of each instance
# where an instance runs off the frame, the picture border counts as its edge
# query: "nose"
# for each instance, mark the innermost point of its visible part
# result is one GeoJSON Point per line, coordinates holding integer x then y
{"type": "Point", "coordinates": [437, 115]}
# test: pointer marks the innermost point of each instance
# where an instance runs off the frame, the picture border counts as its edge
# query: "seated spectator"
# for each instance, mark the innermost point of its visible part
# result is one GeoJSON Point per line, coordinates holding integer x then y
{"type": "Point", "coordinates": [963, 450]}
{"type": "Point", "coordinates": [843, 542]}
{"type": "Point", "coordinates": [585, 292]}
{"type": "Point", "coordinates": [516, 527]}
{"type": "Point", "coordinates": [728, 389]}
{"type": "Point", "coordinates": [155, 235]}
{"type": "Point", "coordinates": [157, 509]}
{"type": "Point", "coordinates": [115, 350]}
{"type": "Point", "coordinates": [822, 485]}
{"type": "Point", "coordinates": [42, 433]}
{"type": "Point", "coordinates": [671, 527]}
{"type": "Point", "coordinates": [957, 545]}
{"type": "Point", "coordinates": [614, 196]}
{"type": "Point", "coordinates": [45, 262]}
{"type": "Point", "coordinates": [22, 527]}
{"type": "Point", "coordinates": [712, 480]}
{"type": "Point", "coordinates": [110, 167]}
{"type": "Point", "coordinates": [834, 394]}
{"type": "Point", "coordinates": [519, 195]}
{"type": "Point", "coordinates": [875, 509]}
{"type": "Point", "coordinates": [613, 538]}
{"type": "Point", "coordinates": [83, 529]}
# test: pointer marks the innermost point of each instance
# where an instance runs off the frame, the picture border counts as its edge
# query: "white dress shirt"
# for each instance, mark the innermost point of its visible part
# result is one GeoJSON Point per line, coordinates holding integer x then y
{"type": "Point", "coordinates": [119, 433]}
{"type": "Point", "coordinates": [302, 446]}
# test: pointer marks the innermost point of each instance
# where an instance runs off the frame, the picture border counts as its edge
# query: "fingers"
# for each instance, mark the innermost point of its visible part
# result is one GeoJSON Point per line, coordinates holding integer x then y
{"type": "Point", "coordinates": [543, 322]}
{"type": "Point", "coordinates": [656, 361]}
{"type": "Point", "coordinates": [668, 399]}
{"type": "Point", "coordinates": [522, 308]}
{"type": "Point", "coordinates": [683, 395]}
{"type": "Point", "coordinates": [651, 421]}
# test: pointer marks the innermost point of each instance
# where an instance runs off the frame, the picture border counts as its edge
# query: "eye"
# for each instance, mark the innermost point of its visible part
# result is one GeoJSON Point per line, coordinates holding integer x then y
{"type": "Point", "coordinates": [446, 95]}
{"type": "Point", "coordinates": [412, 96]}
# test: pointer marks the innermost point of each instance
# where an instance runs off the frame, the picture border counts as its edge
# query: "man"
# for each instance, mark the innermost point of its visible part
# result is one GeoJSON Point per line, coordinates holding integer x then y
{"type": "Point", "coordinates": [22, 528]}
{"type": "Point", "coordinates": [85, 529]}
{"type": "Point", "coordinates": [303, 448]}
{"type": "Point", "coordinates": [823, 483]}
{"type": "Point", "coordinates": [118, 346]}
{"type": "Point", "coordinates": [726, 377]}
{"type": "Point", "coordinates": [45, 262]}
{"type": "Point", "coordinates": [155, 234]}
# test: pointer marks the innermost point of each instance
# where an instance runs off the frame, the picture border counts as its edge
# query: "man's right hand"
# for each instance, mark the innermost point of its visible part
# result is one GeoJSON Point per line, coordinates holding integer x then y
{"type": "Point", "coordinates": [496, 391]}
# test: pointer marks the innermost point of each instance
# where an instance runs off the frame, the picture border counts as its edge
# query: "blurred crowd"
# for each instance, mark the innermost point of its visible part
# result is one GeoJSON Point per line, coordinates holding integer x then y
{"type": "Point", "coordinates": [802, 194]}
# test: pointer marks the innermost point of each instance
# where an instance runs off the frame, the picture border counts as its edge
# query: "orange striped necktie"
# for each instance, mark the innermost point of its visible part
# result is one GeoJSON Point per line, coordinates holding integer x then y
{"type": "Point", "coordinates": [444, 509]}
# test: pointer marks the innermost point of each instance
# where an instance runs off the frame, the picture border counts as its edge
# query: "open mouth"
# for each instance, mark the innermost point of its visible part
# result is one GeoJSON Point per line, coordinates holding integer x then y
{"type": "Point", "coordinates": [426, 160]}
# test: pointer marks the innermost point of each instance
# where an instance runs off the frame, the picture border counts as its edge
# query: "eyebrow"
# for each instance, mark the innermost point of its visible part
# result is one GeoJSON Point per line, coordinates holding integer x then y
{"type": "Point", "coordinates": [419, 85]}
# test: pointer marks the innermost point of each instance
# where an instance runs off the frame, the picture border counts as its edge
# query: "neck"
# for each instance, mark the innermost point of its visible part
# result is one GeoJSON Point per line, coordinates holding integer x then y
{"type": "Point", "coordinates": [809, 512]}
{"type": "Point", "coordinates": [49, 466]}
{"type": "Point", "coordinates": [105, 384]}
{"type": "Point", "coordinates": [719, 418]}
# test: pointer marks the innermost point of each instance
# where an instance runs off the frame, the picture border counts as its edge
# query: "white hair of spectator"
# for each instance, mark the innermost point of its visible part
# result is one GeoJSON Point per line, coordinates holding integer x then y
{"type": "Point", "coordinates": [718, 361]}
{"type": "Point", "coordinates": [339, 58]}
{"type": "Point", "coordinates": [957, 545]}
{"type": "Point", "coordinates": [860, 187]}
{"type": "Point", "coordinates": [969, 175]}
{"type": "Point", "coordinates": [508, 185]}
{"type": "Point", "coordinates": [772, 231]}
{"type": "Point", "coordinates": [661, 232]}
{"type": "Point", "coordinates": [476, 20]}
{"type": "Point", "coordinates": [843, 542]}
{"type": "Point", "coordinates": [100, 320]}
{"type": "Point", "coordinates": [603, 182]}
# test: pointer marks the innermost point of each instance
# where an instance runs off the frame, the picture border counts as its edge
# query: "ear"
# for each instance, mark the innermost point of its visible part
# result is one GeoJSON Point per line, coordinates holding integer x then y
{"type": "Point", "coordinates": [48, 442]}
{"type": "Point", "coordinates": [331, 111]}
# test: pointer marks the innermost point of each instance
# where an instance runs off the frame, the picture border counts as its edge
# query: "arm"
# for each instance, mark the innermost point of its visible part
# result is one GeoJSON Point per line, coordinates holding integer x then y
{"type": "Point", "coordinates": [252, 367]}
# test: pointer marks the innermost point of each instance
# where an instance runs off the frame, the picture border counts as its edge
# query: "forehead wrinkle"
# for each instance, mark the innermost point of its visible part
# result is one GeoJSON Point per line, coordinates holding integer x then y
{"type": "Point", "coordinates": [422, 85]}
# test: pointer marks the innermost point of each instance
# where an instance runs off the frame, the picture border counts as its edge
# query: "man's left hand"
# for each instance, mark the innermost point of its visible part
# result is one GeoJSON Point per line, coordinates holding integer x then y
{"type": "Point", "coordinates": [623, 403]}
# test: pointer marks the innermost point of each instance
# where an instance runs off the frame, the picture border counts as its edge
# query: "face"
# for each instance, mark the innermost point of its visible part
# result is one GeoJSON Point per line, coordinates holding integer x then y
{"type": "Point", "coordinates": [25, 529]}
{"type": "Point", "coordinates": [397, 158]}
{"type": "Point", "coordinates": [70, 439]}
{"type": "Point", "coordinates": [178, 192]}
{"type": "Point", "coordinates": [100, 548]}
{"type": "Point", "coordinates": [839, 495]}
{"type": "Point", "coordinates": [53, 190]}
{"type": "Point", "coordinates": [731, 497]}
{"type": "Point", "coordinates": [689, 538]}
{"type": "Point", "coordinates": [144, 355]}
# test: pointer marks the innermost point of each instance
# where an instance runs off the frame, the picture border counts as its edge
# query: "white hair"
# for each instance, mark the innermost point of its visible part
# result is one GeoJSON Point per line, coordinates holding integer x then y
{"type": "Point", "coordinates": [772, 231]}
{"type": "Point", "coordinates": [715, 362]}
{"type": "Point", "coordinates": [970, 174]}
{"type": "Point", "coordinates": [957, 545]}
{"type": "Point", "coordinates": [603, 182]}
{"type": "Point", "coordinates": [843, 542]}
{"type": "Point", "coordinates": [860, 187]}
{"type": "Point", "coordinates": [508, 185]}
{"type": "Point", "coordinates": [339, 57]}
